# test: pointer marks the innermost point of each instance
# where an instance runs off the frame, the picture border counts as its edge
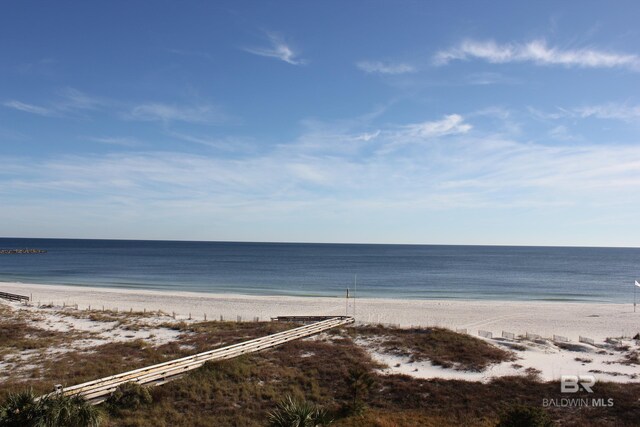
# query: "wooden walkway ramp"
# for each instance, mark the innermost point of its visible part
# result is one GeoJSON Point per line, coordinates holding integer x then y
{"type": "Point", "coordinates": [13, 297]}
{"type": "Point", "coordinates": [97, 391]}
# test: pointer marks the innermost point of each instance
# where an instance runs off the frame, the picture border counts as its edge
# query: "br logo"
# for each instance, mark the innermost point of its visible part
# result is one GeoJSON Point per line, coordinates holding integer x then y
{"type": "Point", "coordinates": [573, 383]}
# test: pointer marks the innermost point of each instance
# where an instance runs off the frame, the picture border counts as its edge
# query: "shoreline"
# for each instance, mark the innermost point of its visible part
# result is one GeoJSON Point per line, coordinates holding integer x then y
{"type": "Point", "coordinates": [195, 293]}
{"type": "Point", "coordinates": [571, 319]}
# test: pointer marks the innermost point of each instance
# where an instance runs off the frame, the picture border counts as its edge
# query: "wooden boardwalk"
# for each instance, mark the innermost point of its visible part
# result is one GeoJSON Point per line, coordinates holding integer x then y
{"type": "Point", "coordinates": [97, 391]}
{"type": "Point", "coordinates": [13, 297]}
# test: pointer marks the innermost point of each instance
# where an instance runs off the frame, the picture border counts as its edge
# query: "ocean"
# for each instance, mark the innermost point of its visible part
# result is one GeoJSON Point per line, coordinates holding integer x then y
{"type": "Point", "coordinates": [383, 271]}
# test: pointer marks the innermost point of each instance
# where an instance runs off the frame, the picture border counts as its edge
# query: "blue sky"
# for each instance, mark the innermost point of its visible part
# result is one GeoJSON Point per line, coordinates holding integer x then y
{"type": "Point", "coordinates": [366, 121]}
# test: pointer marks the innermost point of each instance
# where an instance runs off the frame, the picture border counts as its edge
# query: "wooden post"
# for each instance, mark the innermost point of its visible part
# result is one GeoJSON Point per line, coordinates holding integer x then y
{"type": "Point", "coordinates": [346, 307]}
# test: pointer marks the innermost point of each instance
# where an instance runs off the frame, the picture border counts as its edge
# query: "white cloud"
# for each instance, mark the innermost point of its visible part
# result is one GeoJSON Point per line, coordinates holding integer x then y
{"type": "Point", "coordinates": [74, 103]}
{"type": "Point", "coordinates": [562, 133]}
{"type": "Point", "coordinates": [70, 102]}
{"type": "Point", "coordinates": [449, 125]}
{"type": "Point", "coordinates": [120, 140]}
{"type": "Point", "coordinates": [278, 49]}
{"type": "Point", "coordinates": [465, 171]}
{"type": "Point", "coordinates": [226, 143]}
{"type": "Point", "coordinates": [367, 136]}
{"type": "Point", "coordinates": [202, 113]}
{"type": "Point", "coordinates": [73, 99]}
{"type": "Point", "coordinates": [610, 111]}
{"type": "Point", "coordinates": [420, 133]}
{"type": "Point", "coordinates": [488, 78]}
{"type": "Point", "coordinates": [385, 67]}
{"type": "Point", "coordinates": [442, 167]}
{"type": "Point", "coordinates": [30, 108]}
{"type": "Point", "coordinates": [539, 53]}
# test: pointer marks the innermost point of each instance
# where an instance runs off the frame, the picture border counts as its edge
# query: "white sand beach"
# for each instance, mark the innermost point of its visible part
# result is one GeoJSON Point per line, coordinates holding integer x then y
{"type": "Point", "coordinates": [571, 320]}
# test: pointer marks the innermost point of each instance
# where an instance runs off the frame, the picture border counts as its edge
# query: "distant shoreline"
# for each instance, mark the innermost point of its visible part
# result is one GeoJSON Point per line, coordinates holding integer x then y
{"type": "Point", "coordinates": [283, 242]}
{"type": "Point", "coordinates": [571, 319]}
{"type": "Point", "coordinates": [24, 251]}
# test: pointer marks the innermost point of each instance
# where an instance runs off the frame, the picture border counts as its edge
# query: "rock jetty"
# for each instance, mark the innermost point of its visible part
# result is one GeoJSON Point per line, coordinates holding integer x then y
{"type": "Point", "coordinates": [21, 251]}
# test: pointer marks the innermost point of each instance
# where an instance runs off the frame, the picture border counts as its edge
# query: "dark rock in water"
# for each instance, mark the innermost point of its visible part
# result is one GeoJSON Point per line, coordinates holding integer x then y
{"type": "Point", "coordinates": [21, 251]}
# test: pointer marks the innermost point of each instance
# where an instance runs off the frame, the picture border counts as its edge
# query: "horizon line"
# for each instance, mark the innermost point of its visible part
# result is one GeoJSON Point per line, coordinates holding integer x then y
{"type": "Point", "coordinates": [325, 243]}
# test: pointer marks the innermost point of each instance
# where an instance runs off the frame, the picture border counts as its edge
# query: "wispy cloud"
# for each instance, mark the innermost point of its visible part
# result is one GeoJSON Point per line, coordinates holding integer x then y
{"type": "Point", "coordinates": [42, 67]}
{"type": "Point", "coordinates": [30, 108]}
{"type": "Point", "coordinates": [73, 99]}
{"type": "Point", "coordinates": [278, 49]}
{"type": "Point", "coordinates": [379, 67]}
{"type": "Point", "coordinates": [419, 133]}
{"type": "Point", "coordinates": [479, 170]}
{"type": "Point", "coordinates": [69, 101]}
{"type": "Point", "coordinates": [562, 133]}
{"type": "Point", "coordinates": [199, 113]}
{"type": "Point", "coordinates": [231, 144]}
{"type": "Point", "coordinates": [367, 136]}
{"type": "Point", "coordinates": [488, 78]}
{"type": "Point", "coordinates": [610, 111]}
{"type": "Point", "coordinates": [439, 166]}
{"type": "Point", "coordinates": [537, 52]}
{"type": "Point", "coordinates": [449, 125]}
{"type": "Point", "coordinates": [122, 141]}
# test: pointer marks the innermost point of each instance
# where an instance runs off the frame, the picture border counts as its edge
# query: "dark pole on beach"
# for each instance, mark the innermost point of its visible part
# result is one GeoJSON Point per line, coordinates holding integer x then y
{"type": "Point", "coordinates": [635, 290]}
{"type": "Point", "coordinates": [355, 287]}
{"type": "Point", "coordinates": [346, 308]}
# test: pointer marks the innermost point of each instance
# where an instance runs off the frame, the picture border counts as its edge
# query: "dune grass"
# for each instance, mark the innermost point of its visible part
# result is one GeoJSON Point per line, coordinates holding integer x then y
{"type": "Point", "coordinates": [442, 347]}
{"type": "Point", "coordinates": [243, 391]}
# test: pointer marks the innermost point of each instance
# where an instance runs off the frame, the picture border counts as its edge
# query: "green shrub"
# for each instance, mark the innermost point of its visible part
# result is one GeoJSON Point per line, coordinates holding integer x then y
{"type": "Point", "coordinates": [129, 396]}
{"type": "Point", "coordinates": [55, 410]}
{"type": "Point", "coordinates": [295, 413]}
{"type": "Point", "coordinates": [360, 383]}
{"type": "Point", "coordinates": [19, 409]}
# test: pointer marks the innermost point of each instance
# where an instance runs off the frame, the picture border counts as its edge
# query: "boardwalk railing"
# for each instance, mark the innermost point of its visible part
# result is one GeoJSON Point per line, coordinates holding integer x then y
{"type": "Point", "coordinates": [13, 297]}
{"type": "Point", "coordinates": [97, 391]}
{"type": "Point", "coordinates": [306, 319]}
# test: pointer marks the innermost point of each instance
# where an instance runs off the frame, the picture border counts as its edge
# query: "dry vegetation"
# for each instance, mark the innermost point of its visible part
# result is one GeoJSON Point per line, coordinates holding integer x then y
{"type": "Point", "coordinates": [242, 391]}
{"type": "Point", "coordinates": [442, 347]}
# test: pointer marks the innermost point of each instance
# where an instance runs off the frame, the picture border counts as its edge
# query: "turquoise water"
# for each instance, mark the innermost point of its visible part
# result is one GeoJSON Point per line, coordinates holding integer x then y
{"type": "Point", "coordinates": [389, 271]}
